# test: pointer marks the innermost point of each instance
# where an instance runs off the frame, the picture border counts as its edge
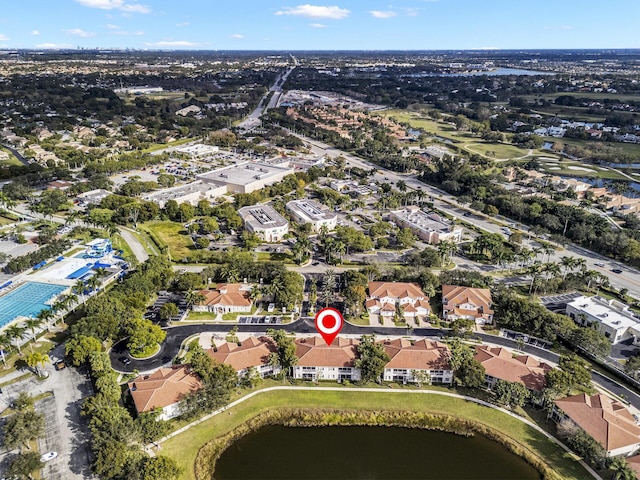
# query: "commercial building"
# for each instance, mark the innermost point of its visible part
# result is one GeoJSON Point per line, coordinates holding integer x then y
{"type": "Point", "coordinates": [163, 389]}
{"type": "Point", "coordinates": [190, 193]}
{"type": "Point", "coordinates": [319, 361]}
{"type": "Point", "coordinates": [466, 302]}
{"type": "Point", "coordinates": [228, 297]}
{"type": "Point", "coordinates": [313, 213]}
{"type": "Point", "coordinates": [500, 364]}
{"type": "Point", "coordinates": [198, 151]}
{"type": "Point", "coordinates": [611, 318]}
{"type": "Point", "coordinates": [429, 227]}
{"type": "Point", "coordinates": [251, 353]}
{"type": "Point", "coordinates": [245, 177]}
{"type": "Point", "coordinates": [423, 361]}
{"type": "Point", "coordinates": [265, 222]}
{"type": "Point", "coordinates": [608, 421]}
{"type": "Point", "coordinates": [93, 197]}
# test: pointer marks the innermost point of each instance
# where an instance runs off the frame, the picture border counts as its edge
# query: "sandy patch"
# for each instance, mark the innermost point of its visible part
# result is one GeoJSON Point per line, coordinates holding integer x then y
{"type": "Point", "coordinates": [581, 169]}
{"type": "Point", "coordinates": [551, 163]}
{"type": "Point", "coordinates": [554, 168]}
{"type": "Point", "coordinates": [603, 168]}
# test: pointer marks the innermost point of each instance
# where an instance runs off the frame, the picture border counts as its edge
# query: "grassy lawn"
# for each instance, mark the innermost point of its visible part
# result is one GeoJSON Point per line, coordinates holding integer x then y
{"type": "Point", "coordinates": [173, 234]}
{"type": "Point", "coordinates": [120, 244]}
{"type": "Point", "coordinates": [194, 316]}
{"type": "Point", "coordinates": [581, 169]}
{"type": "Point", "coordinates": [430, 126]}
{"type": "Point", "coordinates": [15, 361]}
{"type": "Point", "coordinates": [184, 448]}
{"type": "Point", "coordinates": [497, 150]}
{"type": "Point", "coordinates": [274, 257]}
{"type": "Point", "coordinates": [12, 159]}
{"type": "Point", "coordinates": [5, 221]}
{"type": "Point", "coordinates": [159, 146]}
{"type": "Point", "coordinates": [364, 321]}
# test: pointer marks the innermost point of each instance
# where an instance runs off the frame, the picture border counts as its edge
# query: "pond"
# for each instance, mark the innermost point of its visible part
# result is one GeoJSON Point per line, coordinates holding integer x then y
{"type": "Point", "coordinates": [336, 453]}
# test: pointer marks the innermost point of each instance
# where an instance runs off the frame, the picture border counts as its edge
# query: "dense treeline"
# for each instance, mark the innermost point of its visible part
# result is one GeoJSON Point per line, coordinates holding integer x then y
{"type": "Point", "coordinates": [459, 177]}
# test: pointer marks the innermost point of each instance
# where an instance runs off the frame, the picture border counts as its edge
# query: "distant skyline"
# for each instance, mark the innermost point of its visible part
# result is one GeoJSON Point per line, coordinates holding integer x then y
{"type": "Point", "coordinates": [332, 25]}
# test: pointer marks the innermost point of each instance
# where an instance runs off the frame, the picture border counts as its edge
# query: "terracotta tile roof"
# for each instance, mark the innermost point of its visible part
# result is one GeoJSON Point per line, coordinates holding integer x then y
{"type": "Point", "coordinates": [228, 294]}
{"type": "Point", "coordinates": [163, 387]}
{"type": "Point", "coordinates": [395, 290]}
{"type": "Point", "coordinates": [314, 352]}
{"type": "Point", "coordinates": [456, 296]}
{"type": "Point", "coordinates": [421, 355]}
{"type": "Point", "coordinates": [500, 363]}
{"type": "Point", "coordinates": [634, 463]}
{"type": "Point", "coordinates": [253, 352]}
{"type": "Point", "coordinates": [606, 420]}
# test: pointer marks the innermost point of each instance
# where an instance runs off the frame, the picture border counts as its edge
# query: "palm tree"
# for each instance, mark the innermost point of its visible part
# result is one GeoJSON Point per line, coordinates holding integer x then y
{"type": "Point", "coordinates": [193, 297]}
{"type": "Point", "coordinates": [621, 469]}
{"type": "Point", "coordinates": [32, 324]}
{"type": "Point", "coordinates": [45, 315]}
{"type": "Point", "coordinates": [78, 288]}
{"type": "Point", "coordinates": [568, 263]}
{"type": "Point", "coordinates": [15, 333]}
{"type": "Point", "coordinates": [35, 359]}
{"type": "Point", "coordinates": [328, 286]}
{"type": "Point", "coordinates": [5, 342]}
{"type": "Point", "coordinates": [93, 282]}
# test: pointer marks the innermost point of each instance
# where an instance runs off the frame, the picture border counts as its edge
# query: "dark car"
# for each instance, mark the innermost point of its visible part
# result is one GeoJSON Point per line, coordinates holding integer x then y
{"type": "Point", "coordinates": [467, 214]}
{"type": "Point", "coordinates": [125, 360]}
{"type": "Point", "coordinates": [616, 270]}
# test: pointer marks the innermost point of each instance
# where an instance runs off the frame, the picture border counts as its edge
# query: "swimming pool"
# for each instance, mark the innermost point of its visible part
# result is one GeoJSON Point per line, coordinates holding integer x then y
{"type": "Point", "coordinates": [27, 300]}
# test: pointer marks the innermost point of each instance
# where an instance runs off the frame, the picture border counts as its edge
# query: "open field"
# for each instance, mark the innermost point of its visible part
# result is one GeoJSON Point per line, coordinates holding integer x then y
{"type": "Point", "coordinates": [184, 448]}
{"type": "Point", "coordinates": [498, 151]}
{"type": "Point", "coordinates": [416, 121]}
{"type": "Point", "coordinates": [172, 234]}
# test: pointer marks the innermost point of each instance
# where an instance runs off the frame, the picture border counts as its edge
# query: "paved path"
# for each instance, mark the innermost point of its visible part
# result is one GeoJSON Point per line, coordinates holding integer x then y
{"type": "Point", "coordinates": [149, 448]}
{"type": "Point", "coordinates": [135, 245]}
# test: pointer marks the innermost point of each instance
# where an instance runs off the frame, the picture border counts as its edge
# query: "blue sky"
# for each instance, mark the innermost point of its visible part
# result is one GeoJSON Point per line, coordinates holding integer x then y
{"type": "Point", "coordinates": [332, 25]}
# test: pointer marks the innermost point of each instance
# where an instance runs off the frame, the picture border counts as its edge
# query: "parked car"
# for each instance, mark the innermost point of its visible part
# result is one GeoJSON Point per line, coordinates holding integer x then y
{"type": "Point", "coordinates": [599, 264]}
{"type": "Point", "coordinates": [48, 456]}
{"type": "Point", "coordinates": [616, 270]}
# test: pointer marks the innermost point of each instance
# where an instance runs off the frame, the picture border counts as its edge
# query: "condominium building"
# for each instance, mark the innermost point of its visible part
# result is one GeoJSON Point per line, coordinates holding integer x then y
{"type": "Point", "coordinates": [190, 193]}
{"type": "Point", "coordinates": [265, 222]}
{"type": "Point", "coordinates": [313, 213]}
{"type": "Point", "coordinates": [429, 227]}
{"type": "Point", "coordinates": [611, 318]}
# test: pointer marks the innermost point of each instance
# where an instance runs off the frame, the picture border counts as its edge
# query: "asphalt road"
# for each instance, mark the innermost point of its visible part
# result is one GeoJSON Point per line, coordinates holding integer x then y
{"type": "Point", "coordinates": [176, 335]}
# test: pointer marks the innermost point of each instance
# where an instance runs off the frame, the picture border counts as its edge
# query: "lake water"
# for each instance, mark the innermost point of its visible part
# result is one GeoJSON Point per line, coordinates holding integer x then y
{"type": "Point", "coordinates": [337, 453]}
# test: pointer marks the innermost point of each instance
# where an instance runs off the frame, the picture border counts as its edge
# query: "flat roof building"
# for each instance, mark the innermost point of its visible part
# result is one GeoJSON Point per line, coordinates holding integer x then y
{"type": "Point", "coordinates": [246, 177]}
{"type": "Point", "coordinates": [265, 222]}
{"type": "Point", "coordinates": [314, 213]}
{"type": "Point", "coordinates": [199, 150]}
{"type": "Point", "coordinates": [190, 193]}
{"type": "Point", "coordinates": [612, 319]}
{"type": "Point", "coordinates": [429, 227]}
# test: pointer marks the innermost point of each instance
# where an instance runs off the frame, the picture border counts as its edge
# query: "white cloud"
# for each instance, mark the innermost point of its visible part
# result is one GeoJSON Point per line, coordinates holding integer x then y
{"type": "Point", "coordinates": [382, 14]}
{"type": "Point", "coordinates": [317, 25]}
{"type": "Point", "coordinates": [183, 24]}
{"type": "Point", "coordinates": [53, 45]}
{"type": "Point", "coordinates": [78, 32]}
{"type": "Point", "coordinates": [236, 36]}
{"type": "Point", "coordinates": [35, 32]}
{"type": "Point", "coordinates": [3, 37]}
{"type": "Point", "coordinates": [173, 44]}
{"type": "Point", "coordinates": [115, 5]}
{"type": "Point", "coordinates": [315, 11]}
{"type": "Point", "coordinates": [112, 26]}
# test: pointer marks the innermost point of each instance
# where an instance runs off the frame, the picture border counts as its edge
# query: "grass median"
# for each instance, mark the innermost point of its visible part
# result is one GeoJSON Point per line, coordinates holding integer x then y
{"type": "Point", "coordinates": [184, 447]}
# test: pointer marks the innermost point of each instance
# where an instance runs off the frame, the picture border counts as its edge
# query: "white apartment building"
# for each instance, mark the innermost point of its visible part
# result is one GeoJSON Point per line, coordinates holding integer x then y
{"type": "Point", "coordinates": [265, 222]}
{"type": "Point", "coordinates": [613, 319]}
{"type": "Point", "coordinates": [312, 212]}
{"type": "Point", "coordinates": [190, 193]}
{"type": "Point", "coordinates": [429, 227]}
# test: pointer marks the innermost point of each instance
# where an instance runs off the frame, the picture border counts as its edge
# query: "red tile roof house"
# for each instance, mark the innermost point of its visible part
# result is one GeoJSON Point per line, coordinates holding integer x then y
{"type": "Point", "coordinates": [500, 364]}
{"type": "Point", "coordinates": [228, 297]}
{"type": "Point", "coordinates": [383, 297]}
{"type": "Point", "coordinates": [467, 302]}
{"type": "Point", "coordinates": [608, 421]}
{"type": "Point", "coordinates": [426, 356]}
{"type": "Point", "coordinates": [319, 361]}
{"type": "Point", "coordinates": [252, 352]}
{"type": "Point", "coordinates": [163, 389]}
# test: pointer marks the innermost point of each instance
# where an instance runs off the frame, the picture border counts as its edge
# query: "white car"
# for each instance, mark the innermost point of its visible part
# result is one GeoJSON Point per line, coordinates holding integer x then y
{"type": "Point", "coordinates": [48, 456]}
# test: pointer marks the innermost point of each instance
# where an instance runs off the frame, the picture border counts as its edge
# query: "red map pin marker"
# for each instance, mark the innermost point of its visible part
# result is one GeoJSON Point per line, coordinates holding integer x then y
{"type": "Point", "coordinates": [329, 322]}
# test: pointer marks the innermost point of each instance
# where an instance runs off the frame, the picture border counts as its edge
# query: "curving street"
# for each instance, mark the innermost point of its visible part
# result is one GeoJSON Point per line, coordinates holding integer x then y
{"type": "Point", "coordinates": [177, 335]}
